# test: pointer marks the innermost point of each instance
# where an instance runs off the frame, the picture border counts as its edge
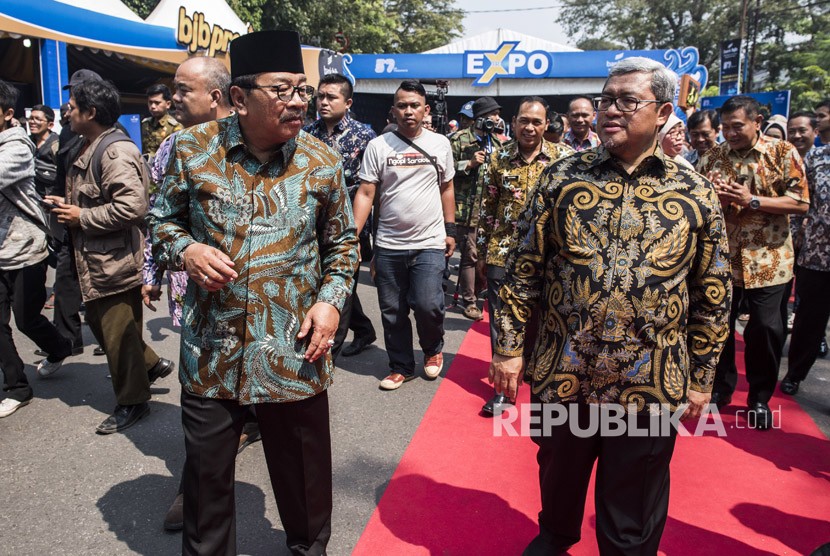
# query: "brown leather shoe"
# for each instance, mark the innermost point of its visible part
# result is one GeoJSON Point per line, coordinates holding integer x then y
{"type": "Point", "coordinates": [394, 381]}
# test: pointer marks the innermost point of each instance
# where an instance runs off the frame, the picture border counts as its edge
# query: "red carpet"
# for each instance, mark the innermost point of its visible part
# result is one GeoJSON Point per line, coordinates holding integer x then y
{"type": "Point", "coordinates": [459, 490]}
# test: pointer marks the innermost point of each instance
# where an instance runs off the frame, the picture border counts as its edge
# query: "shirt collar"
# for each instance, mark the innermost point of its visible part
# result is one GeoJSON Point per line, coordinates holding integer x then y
{"type": "Point", "coordinates": [657, 159]}
{"type": "Point", "coordinates": [544, 155]}
{"type": "Point", "coordinates": [234, 140]}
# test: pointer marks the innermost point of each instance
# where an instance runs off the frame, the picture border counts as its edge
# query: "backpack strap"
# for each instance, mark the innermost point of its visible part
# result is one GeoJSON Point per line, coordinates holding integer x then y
{"type": "Point", "coordinates": [100, 149]}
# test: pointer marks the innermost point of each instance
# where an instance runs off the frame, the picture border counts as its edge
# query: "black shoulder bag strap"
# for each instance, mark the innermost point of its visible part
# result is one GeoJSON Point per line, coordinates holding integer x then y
{"type": "Point", "coordinates": [409, 142]}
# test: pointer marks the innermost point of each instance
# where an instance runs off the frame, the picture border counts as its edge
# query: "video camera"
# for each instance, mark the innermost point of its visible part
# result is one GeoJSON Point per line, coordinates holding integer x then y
{"type": "Point", "coordinates": [438, 99]}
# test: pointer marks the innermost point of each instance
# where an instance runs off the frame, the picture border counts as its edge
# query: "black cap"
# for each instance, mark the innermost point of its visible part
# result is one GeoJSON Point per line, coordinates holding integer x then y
{"type": "Point", "coordinates": [266, 52]}
{"type": "Point", "coordinates": [80, 76]}
{"type": "Point", "coordinates": [484, 105]}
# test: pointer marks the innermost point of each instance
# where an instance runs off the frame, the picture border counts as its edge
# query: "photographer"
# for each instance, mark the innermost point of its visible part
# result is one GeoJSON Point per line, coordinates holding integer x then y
{"type": "Point", "coordinates": [471, 149]}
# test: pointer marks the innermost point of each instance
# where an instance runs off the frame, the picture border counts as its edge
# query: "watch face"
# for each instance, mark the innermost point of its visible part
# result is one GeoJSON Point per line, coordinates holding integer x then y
{"type": "Point", "coordinates": [755, 204]}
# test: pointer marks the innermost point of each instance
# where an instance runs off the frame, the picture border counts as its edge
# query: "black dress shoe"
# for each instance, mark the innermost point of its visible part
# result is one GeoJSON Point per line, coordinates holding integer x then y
{"type": "Point", "coordinates": [358, 345]}
{"type": "Point", "coordinates": [789, 386]}
{"type": "Point", "coordinates": [124, 417]}
{"type": "Point", "coordinates": [721, 400]}
{"type": "Point", "coordinates": [174, 520]}
{"type": "Point", "coordinates": [99, 351]}
{"type": "Point", "coordinates": [160, 370]}
{"type": "Point", "coordinates": [822, 348]}
{"type": "Point", "coordinates": [495, 405]}
{"type": "Point", "coordinates": [250, 434]}
{"type": "Point", "coordinates": [759, 416]}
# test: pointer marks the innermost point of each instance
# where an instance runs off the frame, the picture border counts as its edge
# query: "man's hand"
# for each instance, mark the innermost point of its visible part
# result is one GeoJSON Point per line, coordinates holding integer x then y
{"type": "Point", "coordinates": [506, 375]}
{"type": "Point", "coordinates": [207, 266]}
{"type": "Point", "coordinates": [323, 318]}
{"type": "Point", "coordinates": [697, 401]}
{"type": "Point", "coordinates": [150, 294]}
{"type": "Point", "coordinates": [68, 215]}
{"type": "Point", "coordinates": [730, 192]}
{"type": "Point", "coordinates": [477, 160]}
{"type": "Point", "coordinates": [449, 246]}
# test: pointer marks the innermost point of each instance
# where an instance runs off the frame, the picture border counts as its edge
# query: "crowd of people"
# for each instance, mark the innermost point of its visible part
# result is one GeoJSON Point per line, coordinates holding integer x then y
{"type": "Point", "coordinates": [616, 246]}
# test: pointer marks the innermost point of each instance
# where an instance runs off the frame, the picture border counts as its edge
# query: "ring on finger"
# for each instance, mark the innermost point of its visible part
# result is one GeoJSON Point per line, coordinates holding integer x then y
{"type": "Point", "coordinates": [205, 278]}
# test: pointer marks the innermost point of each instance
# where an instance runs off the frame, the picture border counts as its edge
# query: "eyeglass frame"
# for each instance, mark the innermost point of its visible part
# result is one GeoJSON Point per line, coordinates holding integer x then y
{"type": "Point", "coordinates": [614, 101]}
{"type": "Point", "coordinates": [295, 90]}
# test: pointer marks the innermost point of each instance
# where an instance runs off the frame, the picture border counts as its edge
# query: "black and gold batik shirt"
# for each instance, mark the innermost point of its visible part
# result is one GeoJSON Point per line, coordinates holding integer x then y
{"type": "Point", "coordinates": [631, 275]}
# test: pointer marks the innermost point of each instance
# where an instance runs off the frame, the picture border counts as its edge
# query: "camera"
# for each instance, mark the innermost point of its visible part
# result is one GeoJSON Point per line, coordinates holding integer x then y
{"type": "Point", "coordinates": [485, 124]}
{"type": "Point", "coordinates": [438, 98]}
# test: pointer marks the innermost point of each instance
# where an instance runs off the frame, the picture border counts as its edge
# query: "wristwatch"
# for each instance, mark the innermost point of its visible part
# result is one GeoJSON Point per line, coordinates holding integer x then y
{"type": "Point", "coordinates": [754, 203]}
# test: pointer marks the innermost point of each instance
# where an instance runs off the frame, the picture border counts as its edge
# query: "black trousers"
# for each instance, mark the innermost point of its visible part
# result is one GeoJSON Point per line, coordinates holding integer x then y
{"type": "Point", "coordinates": [352, 318]}
{"type": "Point", "coordinates": [297, 443]}
{"type": "Point", "coordinates": [67, 294]}
{"type": "Point", "coordinates": [23, 291]}
{"type": "Point", "coordinates": [764, 339]}
{"type": "Point", "coordinates": [813, 289]}
{"type": "Point", "coordinates": [631, 492]}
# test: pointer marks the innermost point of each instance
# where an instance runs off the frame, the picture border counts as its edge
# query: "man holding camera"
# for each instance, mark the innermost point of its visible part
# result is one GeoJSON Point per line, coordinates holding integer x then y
{"type": "Point", "coordinates": [471, 150]}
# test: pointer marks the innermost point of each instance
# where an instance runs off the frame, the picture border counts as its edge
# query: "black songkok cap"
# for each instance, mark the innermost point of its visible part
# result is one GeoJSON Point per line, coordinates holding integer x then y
{"type": "Point", "coordinates": [266, 52]}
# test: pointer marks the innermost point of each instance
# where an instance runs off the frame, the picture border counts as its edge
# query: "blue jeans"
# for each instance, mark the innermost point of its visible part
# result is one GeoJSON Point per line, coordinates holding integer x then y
{"type": "Point", "coordinates": [410, 279]}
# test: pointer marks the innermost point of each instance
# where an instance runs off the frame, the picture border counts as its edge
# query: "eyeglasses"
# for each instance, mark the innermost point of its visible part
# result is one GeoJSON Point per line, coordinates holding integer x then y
{"type": "Point", "coordinates": [623, 104]}
{"type": "Point", "coordinates": [286, 92]}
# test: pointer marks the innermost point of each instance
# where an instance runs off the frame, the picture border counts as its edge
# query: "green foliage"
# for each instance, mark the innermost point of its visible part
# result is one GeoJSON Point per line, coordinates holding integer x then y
{"type": "Point", "coordinates": [367, 25]}
{"type": "Point", "coordinates": [791, 37]}
{"type": "Point", "coordinates": [598, 44]}
{"type": "Point", "coordinates": [142, 8]}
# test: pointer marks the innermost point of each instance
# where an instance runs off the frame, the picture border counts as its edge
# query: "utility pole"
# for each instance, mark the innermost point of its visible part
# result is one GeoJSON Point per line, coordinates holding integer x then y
{"type": "Point", "coordinates": [742, 74]}
{"type": "Point", "coordinates": [751, 65]}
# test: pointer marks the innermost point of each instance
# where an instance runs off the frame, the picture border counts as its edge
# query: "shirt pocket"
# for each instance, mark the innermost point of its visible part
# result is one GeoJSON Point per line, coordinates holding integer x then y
{"type": "Point", "coordinates": [110, 260]}
{"type": "Point", "coordinates": [90, 195]}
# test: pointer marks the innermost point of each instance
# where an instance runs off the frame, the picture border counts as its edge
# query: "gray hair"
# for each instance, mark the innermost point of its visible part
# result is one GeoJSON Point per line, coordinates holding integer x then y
{"type": "Point", "coordinates": [663, 80]}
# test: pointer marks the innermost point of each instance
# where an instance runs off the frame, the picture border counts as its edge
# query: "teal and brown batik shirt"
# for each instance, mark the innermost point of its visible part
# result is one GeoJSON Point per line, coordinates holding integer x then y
{"type": "Point", "coordinates": [631, 275]}
{"type": "Point", "coordinates": [288, 227]}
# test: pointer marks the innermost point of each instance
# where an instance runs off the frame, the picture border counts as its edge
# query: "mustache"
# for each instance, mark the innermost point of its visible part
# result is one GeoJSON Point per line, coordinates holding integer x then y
{"type": "Point", "coordinates": [291, 115]}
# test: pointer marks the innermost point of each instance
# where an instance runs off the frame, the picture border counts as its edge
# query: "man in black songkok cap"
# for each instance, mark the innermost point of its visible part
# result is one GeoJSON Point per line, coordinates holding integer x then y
{"type": "Point", "coordinates": [257, 213]}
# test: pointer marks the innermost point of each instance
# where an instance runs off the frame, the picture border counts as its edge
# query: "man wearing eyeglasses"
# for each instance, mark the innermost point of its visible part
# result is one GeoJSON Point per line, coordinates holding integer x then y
{"type": "Point", "coordinates": [624, 253]}
{"type": "Point", "coordinates": [46, 142]}
{"type": "Point", "coordinates": [256, 211]}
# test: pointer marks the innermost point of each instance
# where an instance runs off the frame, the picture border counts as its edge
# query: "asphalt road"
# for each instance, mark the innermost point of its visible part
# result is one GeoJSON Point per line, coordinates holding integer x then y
{"type": "Point", "coordinates": [70, 491]}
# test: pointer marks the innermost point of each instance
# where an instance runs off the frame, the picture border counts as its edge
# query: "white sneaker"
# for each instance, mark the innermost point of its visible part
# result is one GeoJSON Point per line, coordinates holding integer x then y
{"type": "Point", "coordinates": [790, 322]}
{"type": "Point", "coordinates": [9, 406]}
{"type": "Point", "coordinates": [46, 367]}
{"type": "Point", "coordinates": [433, 365]}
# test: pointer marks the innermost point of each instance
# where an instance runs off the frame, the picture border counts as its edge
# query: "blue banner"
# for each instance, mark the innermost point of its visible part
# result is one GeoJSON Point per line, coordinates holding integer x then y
{"type": "Point", "coordinates": [508, 62]}
{"type": "Point", "coordinates": [775, 102]}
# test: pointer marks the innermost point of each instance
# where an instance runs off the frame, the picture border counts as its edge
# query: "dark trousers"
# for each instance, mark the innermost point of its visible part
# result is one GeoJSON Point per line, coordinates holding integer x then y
{"type": "Point", "coordinates": [763, 336]}
{"type": "Point", "coordinates": [352, 318]}
{"type": "Point", "coordinates": [297, 443]}
{"type": "Point", "coordinates": [813, 289]}
{"type": "Point", "coordinates": [23, 292]}
{"type": "Point", "coordinates": [467, 276]}
{"type": "Point", "coordinates": [631, 491]}
{"type": "Point", "coordinates": [67, 294]}
{"type": "Point", "coordinates": [116, 322]}
{"type": "Point", "coordinates": [410, 279]}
